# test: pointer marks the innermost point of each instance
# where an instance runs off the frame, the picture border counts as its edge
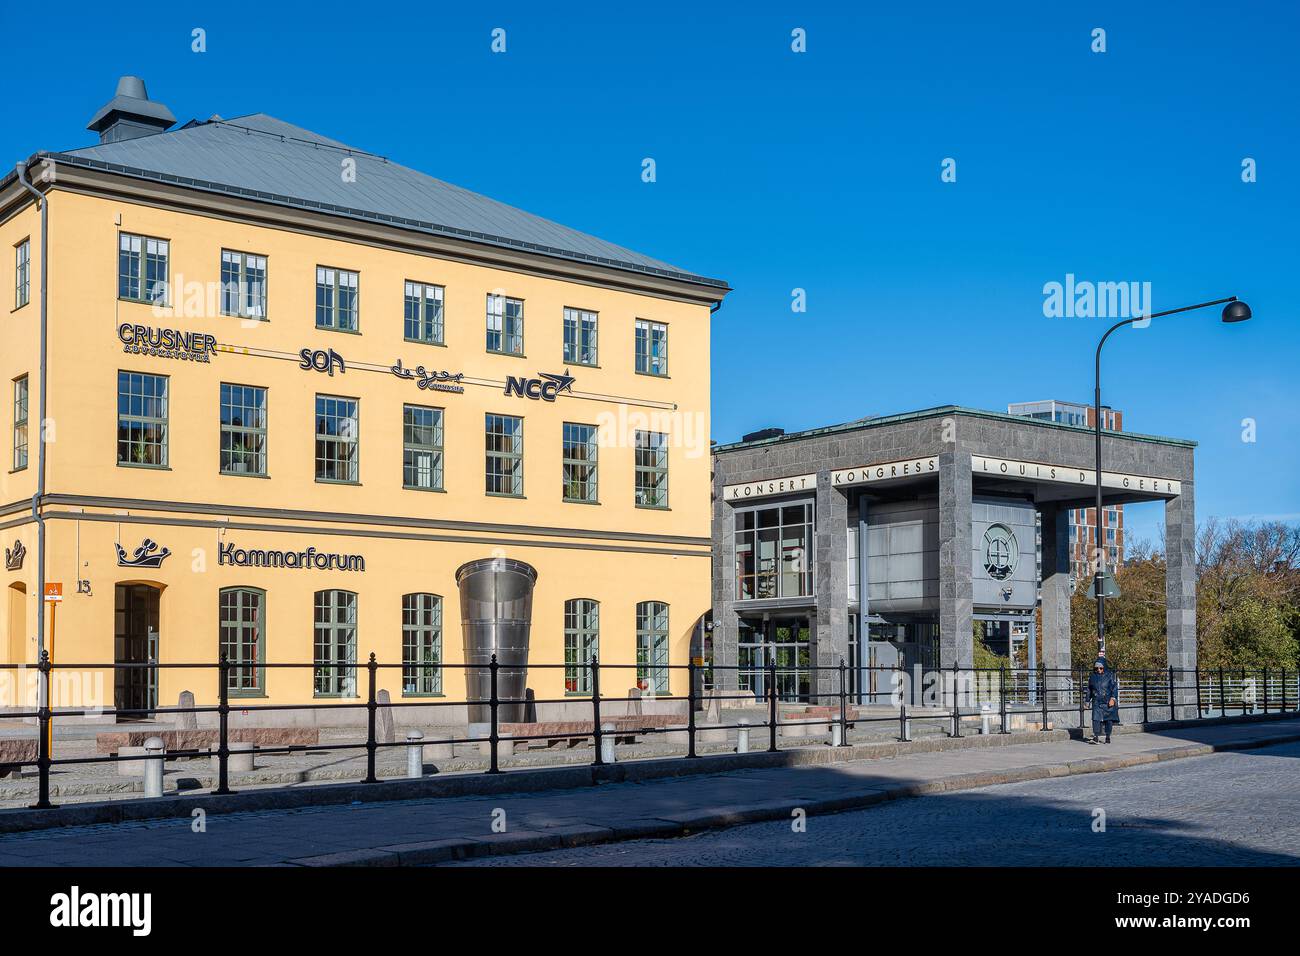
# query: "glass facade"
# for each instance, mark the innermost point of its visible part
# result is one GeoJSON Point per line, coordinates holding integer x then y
{"type": "Point", "coordinates": [773, 551]}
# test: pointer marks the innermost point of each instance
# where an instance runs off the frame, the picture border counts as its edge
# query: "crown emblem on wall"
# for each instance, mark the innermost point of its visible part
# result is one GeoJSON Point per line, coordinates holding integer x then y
{"type": "Point", "coordinates": [147, 555]}
{"type": "Point", "coordinates": [14, 556]}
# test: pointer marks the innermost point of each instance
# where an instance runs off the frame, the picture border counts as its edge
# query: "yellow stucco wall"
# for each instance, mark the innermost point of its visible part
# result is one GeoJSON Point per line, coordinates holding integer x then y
{"type": "Point", "coordinates": [619, 565]}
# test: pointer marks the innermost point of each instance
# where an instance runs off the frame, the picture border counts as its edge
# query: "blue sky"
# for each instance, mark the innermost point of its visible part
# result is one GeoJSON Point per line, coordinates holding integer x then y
{"type": "Point", "coordinates": [821, 171]}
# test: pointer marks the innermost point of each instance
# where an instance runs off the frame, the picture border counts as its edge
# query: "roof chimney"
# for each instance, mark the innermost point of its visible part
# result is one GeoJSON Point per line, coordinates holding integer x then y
{"type": "Point", "coordinates": [130, 114]}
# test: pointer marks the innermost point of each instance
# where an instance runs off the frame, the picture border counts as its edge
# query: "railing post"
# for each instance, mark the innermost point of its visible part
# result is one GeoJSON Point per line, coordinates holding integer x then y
{"type": "Point", "coordinates": [844, 705]}
{"type": "Point", "coordinates": [493, 727]}
{"type": "Point", "coordinates": [902, 720]}
{"type": "Point", "coordinates": [43, 715]}
{"type": "Point", "coordinates": [1243, 692]}
{"type": "Point", "coordinates": [1079, 685]}
{"type": "Point", "coordinates": [1173, 711]}
{"type": "Point", "coordinates": [1042, 693]}
{"type": "Point", "coordinates": [690, 708]}
{"type": "Point", "coordinates": [372, 711]}
{"type": "Point", "coordinates": [1283, 710]}
{"type": "Point", "coordinates": [1002, 696]}
{"type": "Point", "coordinates": [1197, 671]}
{"type": "Point", "coordinates": [223, 725]}
{"type": "Point", "coordinates": [595, 710]}
{"type": "Point", "coordinates": [771, 717]}
{"type": "Point", "coordinates": [1145, 714]}
{"type": "Point", "coordinates": [1223, 701]}
{"type": "Point", "coordinates": [956, 702]}
{"type": "Point", "coordinates": [1266, 691]}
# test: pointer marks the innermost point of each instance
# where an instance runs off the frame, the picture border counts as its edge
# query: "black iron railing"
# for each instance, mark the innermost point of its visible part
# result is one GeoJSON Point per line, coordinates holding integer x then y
{"type": "Point", "coordinates": [835, 700]}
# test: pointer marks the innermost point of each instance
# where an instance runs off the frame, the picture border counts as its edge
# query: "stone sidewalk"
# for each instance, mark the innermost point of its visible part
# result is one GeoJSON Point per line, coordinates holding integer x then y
{"type": "Point", "coordinates": [426, 831]}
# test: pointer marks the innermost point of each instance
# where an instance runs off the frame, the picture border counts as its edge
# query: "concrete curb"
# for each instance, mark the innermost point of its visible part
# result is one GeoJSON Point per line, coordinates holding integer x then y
{"type": "Point", "coordinates": [684, 824]}
{"type": "Point", "coordinates": [551, 778]}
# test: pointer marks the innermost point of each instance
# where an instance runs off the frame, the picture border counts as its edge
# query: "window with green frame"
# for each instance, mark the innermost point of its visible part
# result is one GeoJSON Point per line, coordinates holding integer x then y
{"type": "Point", "coordinates": [578, 461]}
{"type": "Point", "coordinates": [20, 422]}
{"type": "Point", "coordinates": [421, 645]}
{"type": "Point", "coordinates": [243, 639]}
{"type": "Point", "coordinates": [142, 264]}
{"type": "Point", "coordinates": [581, 643]}
{"type": "Point", "coordinates": [579, 336]}
{"type": "Point", "coordinates": [335, 643]}
{"type": "Point", "coordinates": [651, 469]}
{"type": "Point", "coordinates": [422, 313]}
{"type": "Point", "coordinates": [336, 299]}
{"type": "Point", "coordinates": [652, 646]}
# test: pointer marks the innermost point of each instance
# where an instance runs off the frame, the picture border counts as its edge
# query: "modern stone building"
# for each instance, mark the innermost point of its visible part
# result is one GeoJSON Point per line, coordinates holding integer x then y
{"type": "Point", "coordinates": [947, 500]}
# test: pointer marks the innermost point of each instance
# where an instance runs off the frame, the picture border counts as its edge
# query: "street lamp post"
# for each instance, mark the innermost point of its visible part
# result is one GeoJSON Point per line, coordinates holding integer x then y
{"type": "Point", "coordinates": [1234, 310]}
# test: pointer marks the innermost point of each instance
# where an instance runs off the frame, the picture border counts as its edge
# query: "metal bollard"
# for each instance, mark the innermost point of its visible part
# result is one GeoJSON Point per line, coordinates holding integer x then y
{"type": "Point", "coordinates": [414, 754]}
{"type": "Point", "coordinates": [836, 735]}
{"type": "Point", "coordinates": [742, 736]}
{"type": "Point", "coordinates": [607, 754]}
{"type": "Point", "coordinates": [985, 716]}
{"type": "Point", "coordinates": [153, 767]}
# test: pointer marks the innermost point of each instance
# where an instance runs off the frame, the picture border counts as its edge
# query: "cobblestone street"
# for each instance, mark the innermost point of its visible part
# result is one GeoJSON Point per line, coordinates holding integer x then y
{"type": "Point", "coordinates": [1227, 809]}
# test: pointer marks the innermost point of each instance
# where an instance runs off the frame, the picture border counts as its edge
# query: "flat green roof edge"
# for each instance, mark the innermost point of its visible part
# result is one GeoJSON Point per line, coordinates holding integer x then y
{"type": "Point", "coordinates": [948, 410]}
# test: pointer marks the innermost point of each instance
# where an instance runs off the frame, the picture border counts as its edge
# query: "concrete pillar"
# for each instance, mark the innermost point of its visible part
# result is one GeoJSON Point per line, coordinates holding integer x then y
{"type": "Point", "coordinates": [956, 642]}
{"type": "Point", "coordinates": [1180, 590]}
{"type": "Point", "coordinates": [726, 634]}
{"type": "Point", "coordinates": [1055, 528]}
{"type": "Point", "coordinates": [830, 628]}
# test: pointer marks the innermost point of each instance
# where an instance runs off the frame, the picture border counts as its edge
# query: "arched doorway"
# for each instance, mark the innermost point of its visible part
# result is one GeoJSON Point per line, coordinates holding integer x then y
{"type": "Point", "coordinates": [135, 641]}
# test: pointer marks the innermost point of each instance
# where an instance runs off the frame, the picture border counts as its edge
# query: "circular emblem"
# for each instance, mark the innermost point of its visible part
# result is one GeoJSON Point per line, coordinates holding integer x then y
{"type": "Point", "coordinates": [1000, 552]}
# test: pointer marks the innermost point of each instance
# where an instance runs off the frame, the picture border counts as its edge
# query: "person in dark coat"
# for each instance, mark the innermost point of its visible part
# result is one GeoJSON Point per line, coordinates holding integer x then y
{"type": "Point", "coordinates": [1103, 695]}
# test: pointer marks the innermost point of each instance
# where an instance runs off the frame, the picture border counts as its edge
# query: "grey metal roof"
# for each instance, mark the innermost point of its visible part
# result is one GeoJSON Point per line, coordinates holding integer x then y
{"type": "Point", "coordinates": [875, 422]}
{"type": "Point", "coordinates": [261, 157]}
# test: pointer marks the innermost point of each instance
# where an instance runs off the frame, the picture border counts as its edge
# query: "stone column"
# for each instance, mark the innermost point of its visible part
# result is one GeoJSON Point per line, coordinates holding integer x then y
{"type": "Point", "coordinates": [830, 629]}
{"type": "Point", "coordinates": [1180, 592]}
{"type": "Point", "coordinates": [1055, 526]}
{"type": "Point", "coordinates": [725, 632]}
{"type": "Point", "coordinates": [955, 591]}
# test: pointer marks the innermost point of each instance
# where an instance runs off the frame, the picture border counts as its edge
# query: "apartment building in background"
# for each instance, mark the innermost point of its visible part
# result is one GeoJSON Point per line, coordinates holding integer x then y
{"type": "Point", "coordinates": [1084, 538]}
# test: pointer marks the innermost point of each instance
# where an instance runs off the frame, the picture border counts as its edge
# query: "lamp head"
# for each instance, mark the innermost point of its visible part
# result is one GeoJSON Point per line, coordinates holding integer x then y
{"type": "Point", "coordinates": [1236, 311]}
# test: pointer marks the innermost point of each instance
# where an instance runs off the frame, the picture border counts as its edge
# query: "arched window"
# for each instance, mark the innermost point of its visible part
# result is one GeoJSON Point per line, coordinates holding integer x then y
{"type": "Point", "coordinates": [421, 645]}
{"type": "Point", "coordinates": [241, 614]}
{"type": "Point", "coordinates": [652, 646]}
{"type": "Point", "coordinates": [581, 643]}
{"type": "Point", "coordinates": [336, 644]}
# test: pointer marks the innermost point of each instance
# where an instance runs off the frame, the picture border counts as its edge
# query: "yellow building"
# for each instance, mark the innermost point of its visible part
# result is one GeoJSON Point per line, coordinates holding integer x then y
{"type": "Point", "coordinates": [290, 387]}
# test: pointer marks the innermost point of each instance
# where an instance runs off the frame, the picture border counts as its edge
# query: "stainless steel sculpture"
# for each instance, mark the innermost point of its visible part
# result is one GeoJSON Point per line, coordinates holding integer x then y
{"type": "Point", "coordinates": [496, 613]}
